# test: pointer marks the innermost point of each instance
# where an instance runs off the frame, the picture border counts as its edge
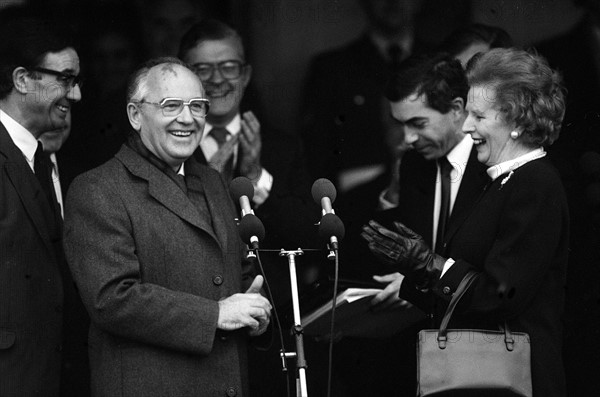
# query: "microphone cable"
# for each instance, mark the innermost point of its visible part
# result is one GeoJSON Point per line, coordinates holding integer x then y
{"type": "Point", "coordinates": [279, 329]}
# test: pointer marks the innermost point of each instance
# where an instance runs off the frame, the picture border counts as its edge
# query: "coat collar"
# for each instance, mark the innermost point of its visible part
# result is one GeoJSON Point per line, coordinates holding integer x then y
{"type": "Point", "coordinates": [166, 192]}
{"type": "Point", "coordinates": [26, 186]}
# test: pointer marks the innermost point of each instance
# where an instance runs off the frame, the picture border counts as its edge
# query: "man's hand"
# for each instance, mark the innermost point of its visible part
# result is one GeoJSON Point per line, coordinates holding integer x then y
{"type": "Point", "coordinates": [221, 157]}
{"type": "Point", "coordinates": [249, 309]}
{"type": "Point", "coordinates": [250, 147]}
{"type": "Point", "coordinates": [405, 251]}
{"type": "Point", "coordinates": [389, 298]}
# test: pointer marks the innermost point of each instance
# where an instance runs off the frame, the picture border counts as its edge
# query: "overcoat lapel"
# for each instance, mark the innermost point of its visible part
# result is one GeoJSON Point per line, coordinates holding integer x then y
{"type": "Point", "coordinates": [202, 178]}
{"type": "Point", "coordinates": [27, 187]}
{"type": "Point", "coordinates": [164, 190]}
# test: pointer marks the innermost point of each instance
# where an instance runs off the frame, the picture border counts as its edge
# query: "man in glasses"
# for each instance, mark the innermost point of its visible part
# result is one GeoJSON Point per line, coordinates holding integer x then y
{"type": "Point", "coordinates": [151, 239]}
{"type": "Point", "coordinates": [39, 71]}
{"type": "Point", "coordinates": [236, 143]}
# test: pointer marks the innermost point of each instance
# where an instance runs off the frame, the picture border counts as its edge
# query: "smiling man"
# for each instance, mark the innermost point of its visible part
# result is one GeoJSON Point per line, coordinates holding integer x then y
{"type": "Point", "coordinates": [151, 240]}
{"type": "Point", "coordinates": [236, 143]}
{"type": "Point", "coordinates": [38, 84]}
{"type": "Point", "coordinates": [441, 177]}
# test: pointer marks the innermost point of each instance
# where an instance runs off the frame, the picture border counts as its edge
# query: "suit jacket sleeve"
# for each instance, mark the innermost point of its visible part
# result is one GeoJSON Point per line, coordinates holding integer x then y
{"type": "Point", "coordinates": [101, 251]}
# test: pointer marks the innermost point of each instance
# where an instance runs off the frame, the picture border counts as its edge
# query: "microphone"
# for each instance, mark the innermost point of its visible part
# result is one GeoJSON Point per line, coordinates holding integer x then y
{"type": "Point", "coordinates": [331, 228]}
{"type": "Point", "coordinates": [250, 227]}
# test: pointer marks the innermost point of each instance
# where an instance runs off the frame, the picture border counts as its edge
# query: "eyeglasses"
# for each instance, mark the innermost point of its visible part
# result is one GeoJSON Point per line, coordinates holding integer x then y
{"type": "Point", "coordinates": [174, 106]}
{"type": "Point", "coordinates": [66, 79]}
{"type": "Point", "coordinates": [230, 70]}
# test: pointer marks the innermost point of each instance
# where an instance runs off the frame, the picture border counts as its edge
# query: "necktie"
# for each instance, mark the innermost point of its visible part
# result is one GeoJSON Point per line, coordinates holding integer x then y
{"type": "Point", "coordinates": [220, 135]}
{"type": "Point", "coordinates": [42, 166]}
{"type": "Point", "coordinates": [445, 169]}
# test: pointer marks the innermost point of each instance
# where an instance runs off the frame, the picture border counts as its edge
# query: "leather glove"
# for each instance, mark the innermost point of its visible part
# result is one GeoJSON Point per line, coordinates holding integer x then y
{"type": "Point", "coordinates": [405, 251]}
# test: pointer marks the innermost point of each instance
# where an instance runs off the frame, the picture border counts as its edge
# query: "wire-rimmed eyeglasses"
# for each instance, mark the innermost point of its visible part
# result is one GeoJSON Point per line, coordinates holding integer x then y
{"type": "Point", "coordinates": [174, 106]}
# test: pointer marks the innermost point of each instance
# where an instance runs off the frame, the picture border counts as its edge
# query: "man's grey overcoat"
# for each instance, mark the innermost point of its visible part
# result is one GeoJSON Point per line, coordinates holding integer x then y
{"type": "Point", "coordinates": [150, 269]}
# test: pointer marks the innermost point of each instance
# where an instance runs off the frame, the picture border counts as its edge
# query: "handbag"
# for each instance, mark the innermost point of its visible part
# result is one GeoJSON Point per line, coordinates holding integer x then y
{"type": "Point", "coordinates": [472, 362]}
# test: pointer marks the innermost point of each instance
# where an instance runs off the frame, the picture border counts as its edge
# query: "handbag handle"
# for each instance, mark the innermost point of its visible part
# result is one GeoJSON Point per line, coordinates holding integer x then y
{"type": "Point", "coordinates": [460, 291]}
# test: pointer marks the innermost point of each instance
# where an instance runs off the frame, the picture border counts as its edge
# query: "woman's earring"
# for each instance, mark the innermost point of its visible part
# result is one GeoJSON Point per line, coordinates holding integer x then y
{"type": "Point", "coordinates": [514, 134]}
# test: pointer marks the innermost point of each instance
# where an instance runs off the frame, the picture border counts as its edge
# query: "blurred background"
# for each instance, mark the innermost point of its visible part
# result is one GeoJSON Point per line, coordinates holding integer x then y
{"type": "Point", "coordinates": [281, 35]}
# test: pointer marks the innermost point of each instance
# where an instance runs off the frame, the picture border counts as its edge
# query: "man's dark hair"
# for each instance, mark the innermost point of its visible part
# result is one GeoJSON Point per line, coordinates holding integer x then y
{"type": "Point", "coordinates": [440, 78]}
{"type": "Point", "coordinates": [208, 29]}
{"type": "Point", "coordinates": [26, 40]}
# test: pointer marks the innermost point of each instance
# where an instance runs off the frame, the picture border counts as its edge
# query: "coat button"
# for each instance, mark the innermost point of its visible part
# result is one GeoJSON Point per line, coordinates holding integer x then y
{"type": "Point", "coordinates": [446, 290]}
{"type": "Point", "coordinates": [231, 392]}
{"type": "Point", "coordinates": [217, 280]}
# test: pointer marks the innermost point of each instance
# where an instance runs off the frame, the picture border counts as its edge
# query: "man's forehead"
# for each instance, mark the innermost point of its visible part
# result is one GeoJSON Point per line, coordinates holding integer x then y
{"type": "Point", "coordinates": [413, 106]}
{"type": "Point", "coordinates": [217, 50]}
{"type": "Point", "coordinates": [169, 79]}
{"type": "Point", "coordinates": [65, 60]}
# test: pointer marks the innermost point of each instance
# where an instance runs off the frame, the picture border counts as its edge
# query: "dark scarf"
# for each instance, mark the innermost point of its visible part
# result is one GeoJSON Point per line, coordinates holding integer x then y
{"type": "Point", "coordinates": [134, 141]}
{"type": "Point", "coordinates": [196, 195]}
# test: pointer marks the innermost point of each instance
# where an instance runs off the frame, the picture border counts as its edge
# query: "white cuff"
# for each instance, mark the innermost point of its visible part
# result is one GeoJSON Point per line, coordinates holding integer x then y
{"type": "Point", "coordinates": [262, 187]}
{"type": "Point", "coordinates": [447, 265]}
{"type": "Point", "coordinates": [385, 204]}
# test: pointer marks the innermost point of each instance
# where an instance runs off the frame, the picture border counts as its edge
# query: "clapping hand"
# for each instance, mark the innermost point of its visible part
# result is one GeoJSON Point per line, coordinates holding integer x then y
{"type": "Point", "coordinates": [389, 297]}
{"type": "Point", "coordinates": [250, 147]}
{"type": "Point", "coordinates": [249, 309]}
{"type": "Point", "coordinates": [404, 251]}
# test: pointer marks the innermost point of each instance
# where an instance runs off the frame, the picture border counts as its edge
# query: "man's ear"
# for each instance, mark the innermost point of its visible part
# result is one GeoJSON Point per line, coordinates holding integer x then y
{"type": "Point", "coordinates": [458, 107]}
{"type": "Point", "coordinates": [247, 75]}
{"type": "Point", "coordinates": [135, 116]}
{"type": "Point", "coordinates": [20, 77]}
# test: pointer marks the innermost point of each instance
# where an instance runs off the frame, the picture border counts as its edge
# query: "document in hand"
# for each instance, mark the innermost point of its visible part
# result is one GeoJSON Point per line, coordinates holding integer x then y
{"type": "Point", "coordinates": [355, 317]}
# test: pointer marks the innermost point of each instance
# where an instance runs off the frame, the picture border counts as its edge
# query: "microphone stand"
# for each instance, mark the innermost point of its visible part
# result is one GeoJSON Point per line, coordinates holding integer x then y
{"type": "Point", "coordinates": [301, 386]}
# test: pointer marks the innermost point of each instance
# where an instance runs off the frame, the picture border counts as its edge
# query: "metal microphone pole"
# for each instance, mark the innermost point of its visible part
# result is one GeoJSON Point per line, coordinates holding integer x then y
{"type": "Point", "coordinates": [301, 386]}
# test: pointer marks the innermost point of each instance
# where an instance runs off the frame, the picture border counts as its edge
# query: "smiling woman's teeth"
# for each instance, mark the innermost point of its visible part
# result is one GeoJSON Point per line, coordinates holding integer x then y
{"type": "Point", "coordinates": [62, 108]}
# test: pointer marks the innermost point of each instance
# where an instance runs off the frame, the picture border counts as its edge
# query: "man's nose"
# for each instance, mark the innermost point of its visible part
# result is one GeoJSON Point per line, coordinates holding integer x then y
{"type": "Point", "coordinates": [410, 136]}
{"type": "Point", "coordinates": [185, 117]}
{"type": "Point", "coordinates": [216, 77]}
{"type": "Point", "coordinates": [74, 93]}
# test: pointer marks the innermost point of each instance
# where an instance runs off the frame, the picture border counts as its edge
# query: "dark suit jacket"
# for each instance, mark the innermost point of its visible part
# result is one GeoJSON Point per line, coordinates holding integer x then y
{"type": "Point", "coordinates": [151, 269]}
{"type": "Point", "coordinates": [415, 207]}
{"type": "Point", "coordinates": [343, 109]}
{"type": "Point", "coordinates": [31, 287]}
{"type": "Point", "coordinates": [516, 236]}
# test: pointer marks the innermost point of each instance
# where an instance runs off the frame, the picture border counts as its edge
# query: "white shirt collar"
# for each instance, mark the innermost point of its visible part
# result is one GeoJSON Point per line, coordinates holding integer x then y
{"type": "Point", "coordinates": [496, 170]}
{"type": "Point", "coordinates": [181, 170]}
{"type": "Point", "coordinates": [459, 155]}
{"type": "Point", "coordinates": [21, 137]}
{"type": "Point", "coordinates": [233, 127]}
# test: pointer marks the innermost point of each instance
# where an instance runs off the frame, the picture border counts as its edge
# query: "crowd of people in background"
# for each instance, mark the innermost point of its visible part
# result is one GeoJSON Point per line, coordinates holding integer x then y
{"type": "Point", "coordinates": [121, 270]}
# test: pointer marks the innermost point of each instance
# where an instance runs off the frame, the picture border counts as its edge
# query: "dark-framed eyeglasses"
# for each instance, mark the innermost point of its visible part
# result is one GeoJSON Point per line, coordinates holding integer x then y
{"type": "Point", "coordinates": [66, 79]}
{"type": "Point", "coordinates": [230, 70]}
{"type": "Point", "coordinates": [174, 106]}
